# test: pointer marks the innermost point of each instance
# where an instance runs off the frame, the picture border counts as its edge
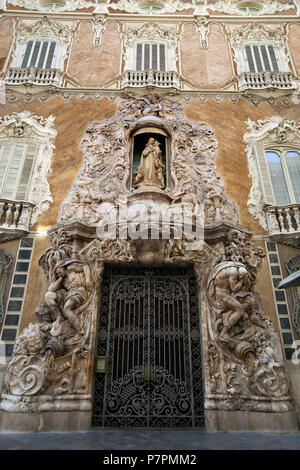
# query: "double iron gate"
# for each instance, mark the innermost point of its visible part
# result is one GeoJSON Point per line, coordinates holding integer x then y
{"type": "Point", "coordinates": [149, 331]}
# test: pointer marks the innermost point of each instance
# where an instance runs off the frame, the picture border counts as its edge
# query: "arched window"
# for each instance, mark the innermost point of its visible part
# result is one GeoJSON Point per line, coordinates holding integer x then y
{"type": "Point", "coordinates": [284, 171]}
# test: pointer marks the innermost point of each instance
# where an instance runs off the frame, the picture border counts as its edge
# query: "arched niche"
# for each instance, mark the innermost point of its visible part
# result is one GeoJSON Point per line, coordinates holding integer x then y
{"type": "Point", "coordinates": [138, 141]}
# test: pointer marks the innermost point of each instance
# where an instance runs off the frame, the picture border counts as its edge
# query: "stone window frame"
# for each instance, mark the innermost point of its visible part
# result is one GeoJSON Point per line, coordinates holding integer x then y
{"type": "Point", "coordinates": [40, 131]}
{"type": "Point", "coordinates": [270, 133]}
{"type": "Point", "coordinates": [150, 32]}
{"type": "Point", "coordinates": [45, 30]}
{"type": "Point", "coordinates": [258, 34]}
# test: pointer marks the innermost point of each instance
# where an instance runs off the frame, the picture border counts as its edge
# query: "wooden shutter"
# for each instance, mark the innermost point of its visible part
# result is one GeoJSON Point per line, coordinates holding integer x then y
{"type": "Point", "coordinates": [265, 178]}
{"type": "Point", "coordinates": [273, 57]}
{"type": "Point", "coordinates": [21, 193]}
{"type": "Point", "coordinates": [249, 59]}
{"type": "Point", "coordinates": [154, 57]}
{"type": "Point", "coordinates": [146, 56]}
{"type": "Point", "coordinates": [267, 65]}
{"type": "Point", "coordinates": [35, 54]}
{"type": "Point", "coordinates": [13, 171]}
{"type": "Point", "coordinates": [139, 56]}
{"type": "Point", "coordinates": [162, 57]}
{"type": "Point", "coordinates": [51, 52]}
{"type": "Point", "coordinates": [27, 54]}
{"type": "Point", "coordinates": [43, 54]}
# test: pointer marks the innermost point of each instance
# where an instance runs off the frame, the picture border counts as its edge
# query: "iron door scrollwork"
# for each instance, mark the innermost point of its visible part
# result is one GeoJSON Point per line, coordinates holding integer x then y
{"type": "Point", "coordinates": [150, 331]}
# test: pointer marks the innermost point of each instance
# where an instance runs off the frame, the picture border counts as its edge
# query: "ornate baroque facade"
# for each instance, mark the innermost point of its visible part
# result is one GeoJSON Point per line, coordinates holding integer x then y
{"type": "Point", "coordinates": [121, 116]}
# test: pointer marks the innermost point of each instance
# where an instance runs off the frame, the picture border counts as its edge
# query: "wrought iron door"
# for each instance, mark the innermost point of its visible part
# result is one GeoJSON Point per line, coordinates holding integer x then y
{"type": "Point", "coordinates": [149, 330]}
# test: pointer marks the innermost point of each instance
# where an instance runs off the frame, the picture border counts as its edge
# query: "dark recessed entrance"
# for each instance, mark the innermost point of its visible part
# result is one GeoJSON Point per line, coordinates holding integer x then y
{"type": "Point", "coordinates": [149, 334]}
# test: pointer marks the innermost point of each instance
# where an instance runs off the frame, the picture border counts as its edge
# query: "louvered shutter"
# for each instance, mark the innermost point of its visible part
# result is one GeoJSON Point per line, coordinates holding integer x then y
{"type": "Point", "coordinates": [13, 171]}
{"type": "Point", "coordinates": [34, 56]}
{"type": "Point", "coordinates": [273, 57]}
{"type": "Point", "coordinates": [249, 59]}
{"type": "Point", "coordinates": [139, 56]}
{"type": "Point", "coordinates": [43, 54]}
{"type": "Point", "coordinates": [162, 57]}
{"type": "Point", "coordinates": [267, 65]}
{"type": "Point", "coordinates": [146, 56]}
{"type": "Point", "coordinates": [22, 190]}
{"type": "Point", "coordinates": [27, 54]}
{"type": "Point", "coordinates": [265, 179]}
{"type": "Point", "coordinates": [154, 57]}
{"type": "Point", "coordinates": [259, 66]}
{"type": "Point", "coordinates": [50, 55]}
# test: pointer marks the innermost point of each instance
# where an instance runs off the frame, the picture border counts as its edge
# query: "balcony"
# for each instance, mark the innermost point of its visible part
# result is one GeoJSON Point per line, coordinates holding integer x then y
{"type": "Point", "coordinates": [284, 223]}
{"type": "Point", "coordinates": [33, 76]}
{"type": "Point", "coordinates": [15, 217]}
{"type": "Point", "coordinates": [150, 78]}
{"type": "Point", "coordinates": [263, 80]}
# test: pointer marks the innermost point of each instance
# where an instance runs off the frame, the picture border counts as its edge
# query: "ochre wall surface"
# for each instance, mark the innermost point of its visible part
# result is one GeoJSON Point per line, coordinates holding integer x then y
{"type": "Point", "coordinates": [91, 64]}
{"type": "Point", "coordinates": [6, 38]}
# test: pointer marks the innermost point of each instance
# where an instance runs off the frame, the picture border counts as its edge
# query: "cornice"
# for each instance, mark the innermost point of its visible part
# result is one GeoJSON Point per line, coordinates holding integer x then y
{"type": "Point", "coordinates": [233, 19]}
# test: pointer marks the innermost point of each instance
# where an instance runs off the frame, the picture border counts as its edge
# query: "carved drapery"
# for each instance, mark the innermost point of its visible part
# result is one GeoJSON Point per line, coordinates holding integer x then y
{"type": "Point", "coordinates": [52, 365]}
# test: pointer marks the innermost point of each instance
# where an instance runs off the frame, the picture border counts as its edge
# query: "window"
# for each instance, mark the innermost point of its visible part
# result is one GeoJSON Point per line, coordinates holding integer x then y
{"type": "Point", "coordinates": [16, 167]}
{"type": "Point", "coordinates": [261, 58]}
{"type": "Point", "coordinates": [39, 53]}
{"type": "Point", "coordinates": [279, 174]}
{"type": "Point", "coordinates": [284, 170]}
{"type": "Point", "coordinates": [150, 56]}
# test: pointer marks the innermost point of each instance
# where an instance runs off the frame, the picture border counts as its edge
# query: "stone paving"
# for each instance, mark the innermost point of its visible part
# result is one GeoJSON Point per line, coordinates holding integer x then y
{"type": "Point", "coordinates": [149, 439]}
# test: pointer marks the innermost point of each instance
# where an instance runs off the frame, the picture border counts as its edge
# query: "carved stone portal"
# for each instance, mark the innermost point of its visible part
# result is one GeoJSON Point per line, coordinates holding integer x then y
{"type": "Point", "coordinates": [52, 365]}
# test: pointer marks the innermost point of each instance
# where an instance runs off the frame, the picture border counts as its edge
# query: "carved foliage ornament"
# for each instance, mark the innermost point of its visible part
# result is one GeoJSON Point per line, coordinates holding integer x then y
{"type": "Point", "coordinates": [262, 134]}
{"type": "Point", "coordinates": [36, 129]}
{"type": "Point", "coordinates": [233, 7]}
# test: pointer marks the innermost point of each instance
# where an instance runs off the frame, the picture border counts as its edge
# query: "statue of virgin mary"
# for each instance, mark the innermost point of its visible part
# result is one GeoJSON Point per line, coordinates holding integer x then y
{"type": "Point", "coordinates": [150, 171]}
